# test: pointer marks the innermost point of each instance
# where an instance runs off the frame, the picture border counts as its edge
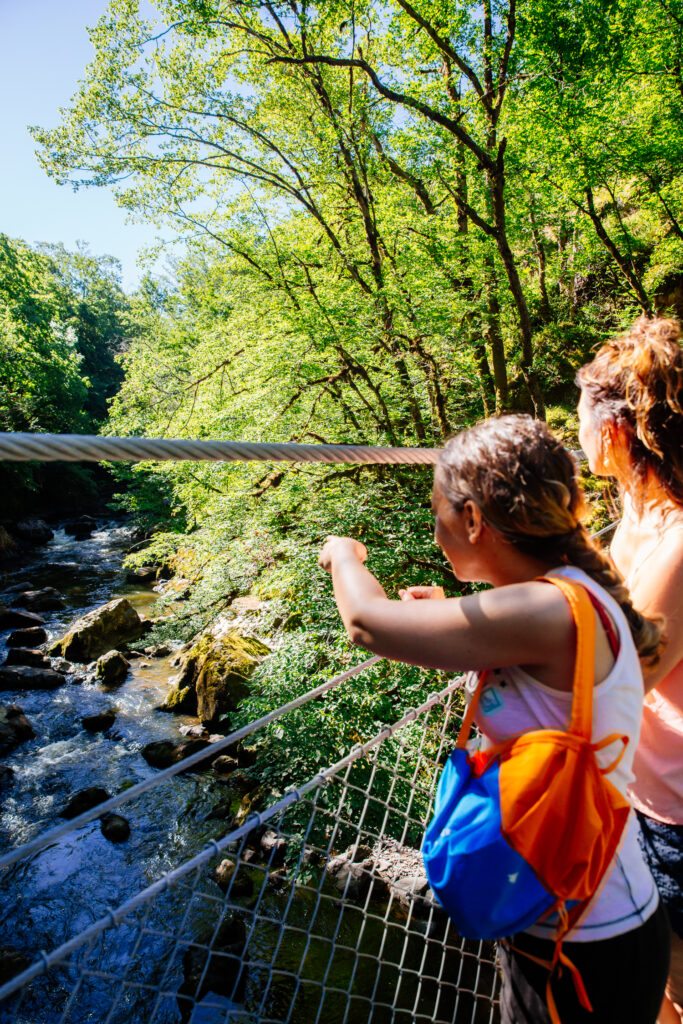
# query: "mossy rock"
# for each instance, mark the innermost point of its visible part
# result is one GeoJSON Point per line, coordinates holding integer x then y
{"type": "Point", "coordinates": [182, 700]}
{"type": "Point", "coordinates": [214, 676]}
{"type": "Point", "coordinates": [100, 631]}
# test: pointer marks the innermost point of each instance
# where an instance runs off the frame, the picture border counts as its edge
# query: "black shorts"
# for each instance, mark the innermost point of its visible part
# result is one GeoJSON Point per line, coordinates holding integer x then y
{"type": "Point", "coordinates": [624, 977]}
{"type": "Point", "coordinates": [662, 845]}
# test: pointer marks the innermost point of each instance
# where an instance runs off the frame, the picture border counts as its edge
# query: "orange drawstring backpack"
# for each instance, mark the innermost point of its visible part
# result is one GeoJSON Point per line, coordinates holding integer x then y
{"type": "Point", "coordinates": [530, 826]}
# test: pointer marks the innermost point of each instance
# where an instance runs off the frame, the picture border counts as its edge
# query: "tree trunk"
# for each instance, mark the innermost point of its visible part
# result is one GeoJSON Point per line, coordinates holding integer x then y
{"type": "Point", "coordinates": [494, 336]}
{"type": "Point", "coordinates": [496, 181]}
{"type": "Point", "coordinates": [621, 261]}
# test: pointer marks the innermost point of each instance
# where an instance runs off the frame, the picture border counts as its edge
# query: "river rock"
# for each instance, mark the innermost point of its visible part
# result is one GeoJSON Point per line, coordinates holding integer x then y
{"type": "Point", "coordinates": [158, 651]}
{"type": "Point", "coordinates": [273, 847]}
{"type": "Point", "coordinates": [15, 728]}
{"type": "Point", "coordinates": [26, 656]}
{"type": "Point", "coordinates": [7, 776]}
{"type": "Point", "coordinates": [115, 828]}
{"type": "Point", "coordinates": [100, 722]}
{"type": "Point", "coordinates": [227, 873]}
{"type": "Point", "coordinates": [45, 600]}
{"type": "Point", "coordinates": [225, 765]}
{"type": "Point", "coordinates": [25, 677]}
{"type": "Point", "coordinates": [391, 869]}
{"type": "Point", "coordinates": [83, 801]}
{"type": "Point", "coordinates": [224, 811]}
{"type": "Point", "coordinates": [29, 637]}
{"type": "Point", "coordinates": [33, 531]}
{"type": "Point", "coordinates": [18, 587]}
{"type": "Point", "coordinates": [355, 874]}
{"type": "Point", "coordinates": [99, 631]}
{"type": "Point", "coordinates": [11, 617]}
{"type": "Point", "coordinates": [80, 528]}
{"type": "Point", "coordinates": [164, 753]}
{"type": "Point", "coordinates": [62, 665]}
{"type": "Point", "coordinates": [214, 675]}
{"type": "Point", "coordinates": [112, 668]}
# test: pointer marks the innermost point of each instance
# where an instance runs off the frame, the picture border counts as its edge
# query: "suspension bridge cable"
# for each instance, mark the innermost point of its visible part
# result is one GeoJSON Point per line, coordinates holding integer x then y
{"type": "Point", "coordinates": [93, 448]}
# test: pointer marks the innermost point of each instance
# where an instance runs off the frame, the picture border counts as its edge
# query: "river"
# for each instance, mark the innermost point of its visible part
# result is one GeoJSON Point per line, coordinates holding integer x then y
{"type": "Point", "coordinates": [133, 974]}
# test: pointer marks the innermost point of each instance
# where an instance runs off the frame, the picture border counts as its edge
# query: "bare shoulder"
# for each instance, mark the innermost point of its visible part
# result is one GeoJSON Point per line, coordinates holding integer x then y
{"type": "Point", "coordinates": [531, 607]}
{"type": "Point", "coordinates": [658, 574]}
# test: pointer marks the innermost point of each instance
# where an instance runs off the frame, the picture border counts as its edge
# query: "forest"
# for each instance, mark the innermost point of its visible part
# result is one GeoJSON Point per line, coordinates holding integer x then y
{"type": "Point", "coordinates": [394, 218]}
{"type": "Point", "coordinates": [382, 221]}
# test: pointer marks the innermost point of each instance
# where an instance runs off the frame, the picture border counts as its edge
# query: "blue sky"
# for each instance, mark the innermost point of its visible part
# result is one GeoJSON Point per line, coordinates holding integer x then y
{"type": "Point", "coordinates": [44, 49]}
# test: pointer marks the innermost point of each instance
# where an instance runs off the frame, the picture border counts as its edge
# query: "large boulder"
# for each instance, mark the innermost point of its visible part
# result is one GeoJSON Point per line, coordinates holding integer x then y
{"type": "Point", "coordinates": [33, 531]}
{"type": "Point", "coordinates": [26, 677]}
{"type": "Point", "coordinates": [112, 668]}
{"type": "Point", "coordinates": [45, 600]}
{"type": "Point", "coordinates": [214, 675]}
{"type": "Point", "coordinates": [11, 617]}
{"type": "Point", "coordinates": [15, 728]}
{"type": "Point", "coordinates": [99, 631]}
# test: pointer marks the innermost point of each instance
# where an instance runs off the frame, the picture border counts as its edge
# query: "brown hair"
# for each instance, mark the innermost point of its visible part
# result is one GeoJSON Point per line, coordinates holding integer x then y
{"type": "Point", "coordinates": [636, 382]}
{"type": "Point", "coordinates": [526, 485]}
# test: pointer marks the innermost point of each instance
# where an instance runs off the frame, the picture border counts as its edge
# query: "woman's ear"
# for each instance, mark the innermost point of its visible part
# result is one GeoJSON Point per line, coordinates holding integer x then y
{"type": "Point", "coordinates": [473, 521]}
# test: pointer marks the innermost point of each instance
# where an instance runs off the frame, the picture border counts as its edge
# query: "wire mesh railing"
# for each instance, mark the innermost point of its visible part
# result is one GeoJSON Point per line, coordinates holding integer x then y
{"type": "Point", "coordinates": [315, 909]}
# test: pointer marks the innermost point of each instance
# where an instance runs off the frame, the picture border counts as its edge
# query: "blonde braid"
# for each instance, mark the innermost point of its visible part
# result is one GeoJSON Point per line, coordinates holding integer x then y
{"type": "Point", "coordinates": [583, 552]}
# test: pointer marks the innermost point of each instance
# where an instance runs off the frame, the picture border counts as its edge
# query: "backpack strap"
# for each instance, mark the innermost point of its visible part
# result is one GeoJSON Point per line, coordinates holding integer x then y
{"type": "Point", "coordinates": [470, 712]}
{"type": "Point", "coordinates": [607, 625]}
{"type": "Point", "coordinates": [584, 662]}
{"type": "Point", "coordinates": [581, 607]}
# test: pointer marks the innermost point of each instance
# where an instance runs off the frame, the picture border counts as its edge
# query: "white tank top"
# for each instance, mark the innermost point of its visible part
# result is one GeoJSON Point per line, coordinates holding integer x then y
{"type": "Point", "coordinates": [513, 702]}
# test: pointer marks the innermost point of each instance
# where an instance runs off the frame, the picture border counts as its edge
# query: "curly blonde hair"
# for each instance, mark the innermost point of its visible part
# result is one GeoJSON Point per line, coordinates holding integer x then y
{"type": "Point", "coordinates": [636, 382]}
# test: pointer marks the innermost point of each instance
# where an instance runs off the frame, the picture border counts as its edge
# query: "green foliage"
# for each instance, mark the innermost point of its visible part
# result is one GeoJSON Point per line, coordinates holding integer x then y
{"type": "Point", "coordinates": [41, 386]}
{"type": "Point", "coordinates": [399, 217]}
{"type": "Point", "coordinates": [61, 330]}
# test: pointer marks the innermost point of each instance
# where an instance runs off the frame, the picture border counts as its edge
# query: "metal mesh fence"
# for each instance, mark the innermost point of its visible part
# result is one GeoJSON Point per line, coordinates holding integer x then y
{"type": "Point", "coordinates": [315, 911]}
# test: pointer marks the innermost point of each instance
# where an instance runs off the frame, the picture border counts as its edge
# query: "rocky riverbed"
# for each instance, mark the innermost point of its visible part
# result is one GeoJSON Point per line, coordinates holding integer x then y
{"type": "Point", "coordinates": [84, 702]}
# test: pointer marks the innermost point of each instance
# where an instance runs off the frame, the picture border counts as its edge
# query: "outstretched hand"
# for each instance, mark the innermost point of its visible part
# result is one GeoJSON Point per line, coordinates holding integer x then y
{"type": "Point", "coordinates": [335, 547]}
{"type": "Point", "coordinates": [422, 594]}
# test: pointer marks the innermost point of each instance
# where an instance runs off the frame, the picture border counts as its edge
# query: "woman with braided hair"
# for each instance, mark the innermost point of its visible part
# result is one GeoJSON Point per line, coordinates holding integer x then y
{"type": "Point", "coordinates": [508, 509]}
{"type": "Point", "coordinates": [631, 413]}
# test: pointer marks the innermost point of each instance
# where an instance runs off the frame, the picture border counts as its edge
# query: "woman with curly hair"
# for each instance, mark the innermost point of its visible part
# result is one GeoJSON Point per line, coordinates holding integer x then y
{"type": "Point", "coordinates": [508, 509]}
{"type": "Point", "coordinates": [631, 414]}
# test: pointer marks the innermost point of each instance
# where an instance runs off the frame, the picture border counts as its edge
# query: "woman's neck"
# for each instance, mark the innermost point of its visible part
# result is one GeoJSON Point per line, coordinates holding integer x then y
{"type": "Point", "coordinates": [513, 566]}
{"type": "Point", "coordinates": [648, 503]}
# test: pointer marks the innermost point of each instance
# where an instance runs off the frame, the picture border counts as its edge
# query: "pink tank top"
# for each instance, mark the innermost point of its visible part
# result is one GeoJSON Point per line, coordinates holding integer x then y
{"type": "Point", "coordinates": [657, 790]}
